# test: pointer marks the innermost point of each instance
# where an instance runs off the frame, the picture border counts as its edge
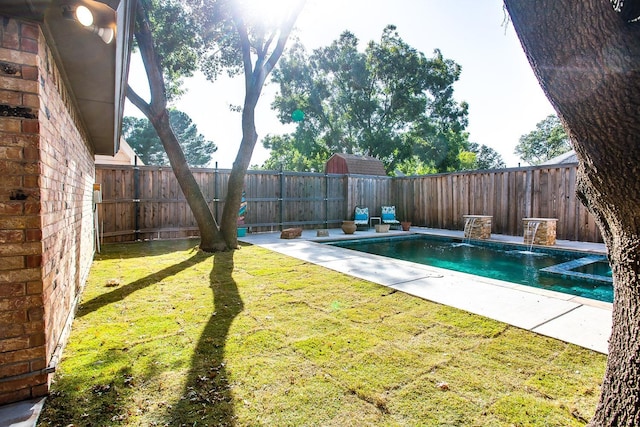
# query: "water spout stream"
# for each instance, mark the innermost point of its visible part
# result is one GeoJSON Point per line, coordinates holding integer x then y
{"type": "Point", "coordinates": [468, 228]}
{"type": "Point", "coordinates": [532, 229]}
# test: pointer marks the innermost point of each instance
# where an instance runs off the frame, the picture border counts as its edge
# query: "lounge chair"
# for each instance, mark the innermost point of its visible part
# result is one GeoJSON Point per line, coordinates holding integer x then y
{"type": "Point", "coordinates": [361, 217]}
{"type": "Point", "coordinates": [388, 216]}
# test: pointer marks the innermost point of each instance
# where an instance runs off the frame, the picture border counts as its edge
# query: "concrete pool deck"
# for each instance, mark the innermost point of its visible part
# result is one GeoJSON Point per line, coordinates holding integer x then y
{"type": "Point", "coordinates": [577, 320]}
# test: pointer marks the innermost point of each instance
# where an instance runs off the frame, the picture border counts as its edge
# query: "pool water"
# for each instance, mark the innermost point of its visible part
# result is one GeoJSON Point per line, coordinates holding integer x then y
{"type": "Point", "coordinates": [511, 263]}
{"type": "Point", "coordinates": [600, 268]}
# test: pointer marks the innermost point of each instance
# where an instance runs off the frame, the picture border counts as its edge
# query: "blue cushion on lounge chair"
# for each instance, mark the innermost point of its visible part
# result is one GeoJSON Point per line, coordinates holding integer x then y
{"type": "Point", "coordinates": [362, 214]}
{"type": "Point", "coordinates": [388, 215]}
{"type": "Point", "coordinates": [361, 217]}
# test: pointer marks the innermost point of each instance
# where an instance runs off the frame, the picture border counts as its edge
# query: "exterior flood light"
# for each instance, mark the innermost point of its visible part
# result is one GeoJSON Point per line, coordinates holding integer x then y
{"type": "Point", "coordinates": [106, 34]}
{"type": "Point", "coordinates": [84, 16]}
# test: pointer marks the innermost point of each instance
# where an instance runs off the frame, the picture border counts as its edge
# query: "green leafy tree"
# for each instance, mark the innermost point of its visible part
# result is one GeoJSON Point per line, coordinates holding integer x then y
{"type": "Point", "coordinates": [176, 37]}
{"type": "Point", "coordinates": [486, 157]}
{"type": "Point", "coordinates": [390, 102]}
{"type": "Point", "coordinates": [547, 141]}
{"type": "Point", "coordinates": [142, 137]}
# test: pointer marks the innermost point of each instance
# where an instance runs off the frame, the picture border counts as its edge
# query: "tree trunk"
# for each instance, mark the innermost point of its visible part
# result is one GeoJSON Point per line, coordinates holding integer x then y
{"type": "Point", "coordinates": [155, 110]}
{"type": "Point", "coordinates": [255, 75]}
{"type": "Point", "coordinates": [210, 239]}
{"type": "Point", "coordinates": [587, 59]}
{"type": "Point", "coordinates": [228, 224]}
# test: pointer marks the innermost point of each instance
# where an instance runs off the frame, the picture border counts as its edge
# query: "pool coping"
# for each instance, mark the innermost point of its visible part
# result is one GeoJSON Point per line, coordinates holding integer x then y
{"type": "Point", "coordinates": [577, 320]}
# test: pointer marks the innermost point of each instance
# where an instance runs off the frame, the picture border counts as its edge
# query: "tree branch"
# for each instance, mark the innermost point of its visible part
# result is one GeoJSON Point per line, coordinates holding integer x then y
{"type": "Point", "coordinates": [284, 35]}
{"type": "Point", "coordinates": [245, 46]}
{"type": "Point", "coordinates": [150, 60]}
{"type": "Point", "coordinates": [137, 100]}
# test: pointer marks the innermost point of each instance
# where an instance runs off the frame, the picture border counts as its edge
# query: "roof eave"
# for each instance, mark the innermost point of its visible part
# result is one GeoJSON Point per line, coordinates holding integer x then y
{"type": "Point", "coordinates": [95, 72]}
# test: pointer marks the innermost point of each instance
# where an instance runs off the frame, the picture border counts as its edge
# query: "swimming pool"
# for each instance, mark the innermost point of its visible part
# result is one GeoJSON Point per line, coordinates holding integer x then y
{"type": "Point", "coordinates": [570, 272]}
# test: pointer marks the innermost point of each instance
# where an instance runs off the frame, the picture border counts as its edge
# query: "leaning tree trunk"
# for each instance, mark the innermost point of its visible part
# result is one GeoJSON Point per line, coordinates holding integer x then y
{"type": "Point", "coordinates": [587, 60]}
{"type": "Point", "coordinates": [254, 77]}
{"type": "Point", "coordinates": [228, 224]}
{"type": "Point", "coordinates": [156, 111]}
{"type": "Point", "coordinates": [210, 240]}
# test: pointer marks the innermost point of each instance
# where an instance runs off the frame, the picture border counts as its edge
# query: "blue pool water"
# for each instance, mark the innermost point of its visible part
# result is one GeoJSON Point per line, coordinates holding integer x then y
{"type": "Point", "coordinates": [574, 273]}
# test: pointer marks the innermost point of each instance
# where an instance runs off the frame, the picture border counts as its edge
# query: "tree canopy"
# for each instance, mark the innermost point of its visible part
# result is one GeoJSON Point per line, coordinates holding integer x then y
{"type": "Point", "coordinates": [142, 137]}
{"type": "Point", "coordinates": [390, 102]}
{"type": "Point", "coordinates": [547, 141]}
{"type": "Point", "coordinates": [486, 157]}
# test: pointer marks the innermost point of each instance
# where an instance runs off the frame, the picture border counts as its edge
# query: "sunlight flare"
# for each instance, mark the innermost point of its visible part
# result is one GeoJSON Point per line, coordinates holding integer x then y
{"type": "Point", "coordinates": [269, 12]}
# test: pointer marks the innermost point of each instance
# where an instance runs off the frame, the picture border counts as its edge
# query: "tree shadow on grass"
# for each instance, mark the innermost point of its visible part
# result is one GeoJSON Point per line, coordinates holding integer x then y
{"type": "Point", "coordinates": [207, 399]}
{"type": "Point", "coordinates": [147, 248]}
{"type": "Point", "coordinates": [122, 292]}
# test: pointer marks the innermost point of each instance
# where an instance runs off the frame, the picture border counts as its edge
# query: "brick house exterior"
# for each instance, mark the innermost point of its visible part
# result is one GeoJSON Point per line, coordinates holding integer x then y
{"type": "Point", "coordinates": [47, 147]}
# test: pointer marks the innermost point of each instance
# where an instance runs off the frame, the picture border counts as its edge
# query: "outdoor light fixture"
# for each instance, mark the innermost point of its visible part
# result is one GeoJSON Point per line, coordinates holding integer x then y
{"type": "Point", "coordinates": [106, 34]}
{"type": "Point", "coordinates": [86, 17]}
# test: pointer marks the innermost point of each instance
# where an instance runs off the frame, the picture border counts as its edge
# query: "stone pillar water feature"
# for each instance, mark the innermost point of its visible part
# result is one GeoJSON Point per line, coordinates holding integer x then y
{"type": "Point", "coordinates": [539, 231]}
{"type": "Point", "coordinates": [477, 226]}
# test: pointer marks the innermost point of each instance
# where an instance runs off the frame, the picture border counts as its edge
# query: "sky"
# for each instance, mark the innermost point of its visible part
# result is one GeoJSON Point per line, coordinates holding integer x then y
{"type": "Point", "coordinates": [504, 97]}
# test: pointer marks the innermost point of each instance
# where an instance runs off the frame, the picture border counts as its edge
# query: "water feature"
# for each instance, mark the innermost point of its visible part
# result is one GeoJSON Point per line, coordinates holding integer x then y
{"type": "Point", "coordinates": [500, 261]}
{"type": "Point", "coordinates": [532, 229]}
{"type": "Point", "coordinates": [468, 228]}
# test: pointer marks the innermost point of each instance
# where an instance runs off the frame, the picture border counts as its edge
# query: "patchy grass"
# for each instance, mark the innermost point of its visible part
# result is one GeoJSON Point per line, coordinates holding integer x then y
{"type": "Point", "coordinates": [166, 335]}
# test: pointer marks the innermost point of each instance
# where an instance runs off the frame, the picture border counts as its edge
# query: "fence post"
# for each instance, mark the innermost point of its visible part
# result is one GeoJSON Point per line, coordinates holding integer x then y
{"type": "Point", "coordinates": [281, 197]}
{"type": "Point", "coordinates": [347, 196]}
{"type": "Point", "coordinates": [326, 200]}
{"type": "Point", "coordinates": [136, 199]}
{"type": "Point", "coordinates": [215, 193]}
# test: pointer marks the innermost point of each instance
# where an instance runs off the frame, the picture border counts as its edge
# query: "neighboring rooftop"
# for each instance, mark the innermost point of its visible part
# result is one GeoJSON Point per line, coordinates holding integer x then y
{"type": "Point", "coordinates": [563, 159]}
{"type": "Point", "coordinates": [124, 156]}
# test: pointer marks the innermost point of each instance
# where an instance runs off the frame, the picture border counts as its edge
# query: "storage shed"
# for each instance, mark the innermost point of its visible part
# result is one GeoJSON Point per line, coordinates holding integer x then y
{"type": "Point", "coordinates": [355, 165]}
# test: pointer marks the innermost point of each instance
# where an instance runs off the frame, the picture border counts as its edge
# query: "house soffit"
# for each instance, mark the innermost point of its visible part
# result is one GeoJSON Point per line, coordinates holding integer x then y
{"type": "Point", "coordinates": [94, 71]}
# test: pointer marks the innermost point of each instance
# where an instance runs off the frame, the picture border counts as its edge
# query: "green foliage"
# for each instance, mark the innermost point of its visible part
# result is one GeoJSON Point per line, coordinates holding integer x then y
{"type": "Point", "coordinates": [222, 51]}
{"type": "Point", "coordinates": [177, 39]}
{"type": "Point", "coordinates": [547, 141]}
{"type": "Point", "coordinates": [286, 154]}
{"type": "Point", "coordinates": [467, 160]}
{"type": "Point", "coordinates": [142, 137]}
{"type": "Point", "coordinates": [168, 335]}
{"type": "Point", "coordinates": [486, 157]}
{"type": "Point", "coordinates": [390, 102]}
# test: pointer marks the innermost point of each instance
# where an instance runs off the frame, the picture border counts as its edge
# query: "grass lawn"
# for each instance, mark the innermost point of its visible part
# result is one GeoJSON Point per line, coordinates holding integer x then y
{"type": "Point", "coordinates": [167, 335]}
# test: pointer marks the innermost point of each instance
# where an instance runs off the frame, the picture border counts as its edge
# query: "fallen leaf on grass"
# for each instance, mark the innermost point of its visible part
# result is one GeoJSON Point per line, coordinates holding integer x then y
{"type": "Point", "coordinates": [112, 283]}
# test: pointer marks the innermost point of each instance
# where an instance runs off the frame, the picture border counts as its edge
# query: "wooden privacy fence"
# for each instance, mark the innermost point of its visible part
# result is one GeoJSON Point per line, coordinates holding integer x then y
{"type": "Point", "coordinates": [440, 201]}
{"type": "Point", "coordinates": [145, 202]}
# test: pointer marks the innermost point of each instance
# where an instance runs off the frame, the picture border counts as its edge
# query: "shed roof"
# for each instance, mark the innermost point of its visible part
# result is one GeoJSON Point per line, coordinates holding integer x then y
{"type": "Point", "coordinates": [360, 165]}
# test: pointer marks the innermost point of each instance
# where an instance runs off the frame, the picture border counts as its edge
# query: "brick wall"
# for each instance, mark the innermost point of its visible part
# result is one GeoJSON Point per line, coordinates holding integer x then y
{"type": "Point", "coordinates": [46, 243]}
